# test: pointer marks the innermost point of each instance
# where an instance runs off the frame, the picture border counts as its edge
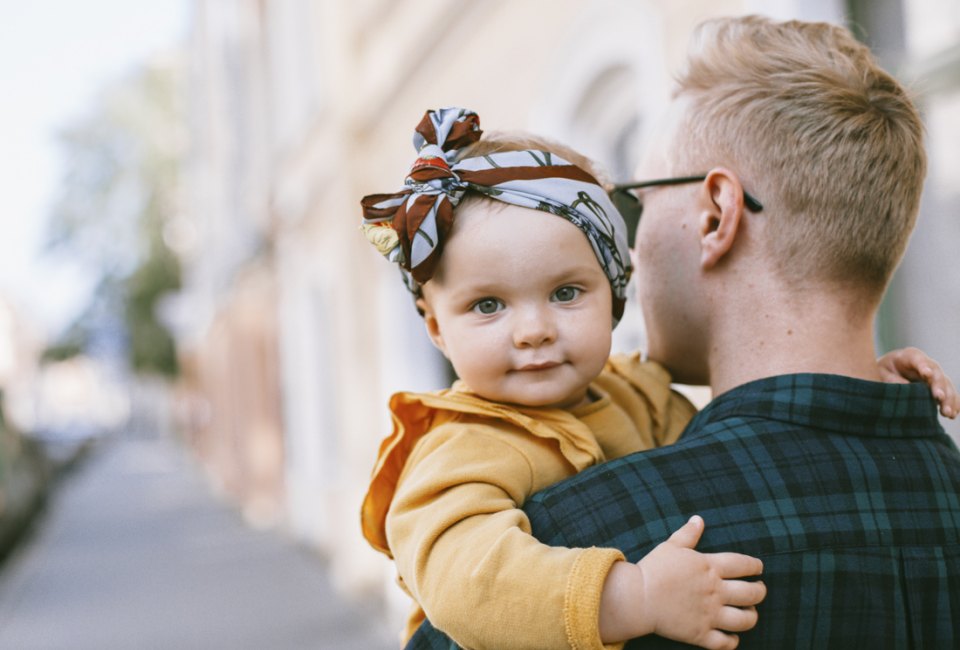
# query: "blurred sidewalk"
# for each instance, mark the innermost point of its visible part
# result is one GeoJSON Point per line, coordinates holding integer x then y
{"type": "Point", "coordinates": [134, 552]}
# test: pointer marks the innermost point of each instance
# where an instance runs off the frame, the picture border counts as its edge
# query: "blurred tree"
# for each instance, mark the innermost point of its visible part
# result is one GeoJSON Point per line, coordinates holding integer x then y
{"type": "Point", "coordinates": [118, 194]}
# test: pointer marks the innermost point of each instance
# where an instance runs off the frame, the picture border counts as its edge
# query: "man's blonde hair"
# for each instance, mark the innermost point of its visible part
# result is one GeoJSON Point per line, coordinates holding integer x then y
{"type": "Point", "coordinates": [829, 142]}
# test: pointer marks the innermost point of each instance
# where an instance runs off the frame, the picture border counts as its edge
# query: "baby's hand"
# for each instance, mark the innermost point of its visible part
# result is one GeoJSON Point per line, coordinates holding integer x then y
{"type": "Point", "coordinates": [681, 594]}
{"type": "Point", "coordinates": [911, 364]}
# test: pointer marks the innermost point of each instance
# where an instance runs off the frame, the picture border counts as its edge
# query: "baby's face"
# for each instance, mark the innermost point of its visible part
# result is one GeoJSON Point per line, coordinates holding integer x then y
{"type": "Point", "coordinates": [520, 306]}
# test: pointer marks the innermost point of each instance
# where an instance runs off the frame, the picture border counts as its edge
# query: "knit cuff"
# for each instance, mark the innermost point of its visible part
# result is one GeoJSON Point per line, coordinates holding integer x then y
{"type": "Point", "coordinates": [581, 605]}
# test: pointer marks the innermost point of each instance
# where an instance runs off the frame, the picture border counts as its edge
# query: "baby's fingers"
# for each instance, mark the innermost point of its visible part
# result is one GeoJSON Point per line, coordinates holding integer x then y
{"type": "Point", "coordinates": [941, 387]}
{"type": "Point", "coordinates": [740, 593]}
{"type": "Point", "coordinates": [717, 640]}
{"type": "Point", "coordinates": [735, 619]}
{"type": "Point", "coordinates": [903, 365]}
{"type": "Point", "coordinates": [914, 365]}
{"type": "Point", "coordinates": [943, 391]}
{"type": "Point", "coordinates": [734, 565]}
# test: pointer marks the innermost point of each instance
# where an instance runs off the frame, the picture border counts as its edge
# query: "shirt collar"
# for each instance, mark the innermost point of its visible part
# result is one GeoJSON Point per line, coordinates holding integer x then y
{"type": "Point", "coordinates": [832, 402]}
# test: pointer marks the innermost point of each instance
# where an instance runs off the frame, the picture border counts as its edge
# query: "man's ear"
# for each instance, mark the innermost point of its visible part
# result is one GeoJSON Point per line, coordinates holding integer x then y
{"type": "Point", "coordinates": [432, 324]}
{"type": "Point", "coordinates": [720, 219]}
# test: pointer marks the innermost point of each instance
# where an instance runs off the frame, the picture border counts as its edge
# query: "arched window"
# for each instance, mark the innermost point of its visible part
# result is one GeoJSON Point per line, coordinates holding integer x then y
{"type": "Point", "coordinates": [603, 92]}
{"type": "Point", "coordinates": [606, 85]}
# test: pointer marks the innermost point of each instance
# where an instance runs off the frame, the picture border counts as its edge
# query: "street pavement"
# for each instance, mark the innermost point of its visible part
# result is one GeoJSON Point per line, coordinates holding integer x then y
{"type": "Point", "coordinates": [134, 552]}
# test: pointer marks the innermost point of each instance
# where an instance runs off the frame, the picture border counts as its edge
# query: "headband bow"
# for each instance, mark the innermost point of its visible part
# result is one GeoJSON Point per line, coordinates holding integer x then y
{"type": "Point", "coordinates": [409, 227]}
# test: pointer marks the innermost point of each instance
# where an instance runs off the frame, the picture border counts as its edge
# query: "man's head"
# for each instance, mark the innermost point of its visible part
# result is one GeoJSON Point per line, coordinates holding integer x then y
{"type": "Point", "coordinates": [801, 116]}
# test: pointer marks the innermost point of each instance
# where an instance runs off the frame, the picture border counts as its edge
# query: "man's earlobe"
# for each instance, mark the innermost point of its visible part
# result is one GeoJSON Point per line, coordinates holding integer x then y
{"type": "Point", "coordinates": [432, 325]}
{"type": "Point", "coordinates": [720, 221]}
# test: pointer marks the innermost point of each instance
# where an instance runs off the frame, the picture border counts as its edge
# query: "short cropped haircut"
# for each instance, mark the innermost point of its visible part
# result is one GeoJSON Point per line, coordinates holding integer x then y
{"type": "Point", "coordinates": [830, 143]}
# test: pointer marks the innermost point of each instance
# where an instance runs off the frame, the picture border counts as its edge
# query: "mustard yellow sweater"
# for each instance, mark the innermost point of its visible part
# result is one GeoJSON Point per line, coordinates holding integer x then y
{"type": "Point", "coordinates": [444, 502]}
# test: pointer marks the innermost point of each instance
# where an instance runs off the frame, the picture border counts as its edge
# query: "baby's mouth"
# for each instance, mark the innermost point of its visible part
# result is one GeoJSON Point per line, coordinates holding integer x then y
{"type": "Point", "coordinates": [542, 365]}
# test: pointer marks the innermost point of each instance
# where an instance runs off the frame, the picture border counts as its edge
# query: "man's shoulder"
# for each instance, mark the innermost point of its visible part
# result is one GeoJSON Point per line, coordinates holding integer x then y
{"type": "Point", "coordinates": [763, 477]}
{"type": "Point", "coordinates": [644, 495]}
{"type": "Point", "coordinates": [700, 446]}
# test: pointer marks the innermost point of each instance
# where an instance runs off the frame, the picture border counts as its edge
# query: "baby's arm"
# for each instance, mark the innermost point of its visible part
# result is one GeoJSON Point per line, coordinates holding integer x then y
{"type": "Point", "coordinates": [681, 594]}
{"type": "Point", "coordinates": [464, 551]}
{"type": "Point", "coordinates": [911, 364]}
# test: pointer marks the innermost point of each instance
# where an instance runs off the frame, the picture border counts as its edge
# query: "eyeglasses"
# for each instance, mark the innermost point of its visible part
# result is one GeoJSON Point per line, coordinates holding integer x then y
{"type": "Point", "coordinates": [631, 207]}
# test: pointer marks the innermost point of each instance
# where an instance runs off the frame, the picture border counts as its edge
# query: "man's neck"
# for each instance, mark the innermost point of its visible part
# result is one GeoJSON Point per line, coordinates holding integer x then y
{"type": "Point", "coordinates": [819, 333]}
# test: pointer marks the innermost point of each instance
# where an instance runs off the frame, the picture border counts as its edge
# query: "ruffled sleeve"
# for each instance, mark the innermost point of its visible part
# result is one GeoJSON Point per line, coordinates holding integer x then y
{"type": "Point", "coordinates": [416, 414]}
{"type": "Point", "coordinates": [642, 388]}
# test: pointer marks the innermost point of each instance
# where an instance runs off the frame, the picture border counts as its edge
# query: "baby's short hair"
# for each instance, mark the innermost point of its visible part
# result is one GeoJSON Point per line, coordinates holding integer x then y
{"type": "Point", "coordinates": [500, 141]}
{"type": "Point", "coordinates": [453, 163]}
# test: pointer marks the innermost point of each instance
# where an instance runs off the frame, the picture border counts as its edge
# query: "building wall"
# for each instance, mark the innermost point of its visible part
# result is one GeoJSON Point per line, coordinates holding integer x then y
{"type": "Point", "coordinates": [303, 107]}
{"type": "Point", "coordinates": [20, 349]}
{"type": "Point", "coordinates": [593, 75]}
{"type": "Point", "coordinates": [229, 401]}
{"type": "Point", "coordinates": [921, 39]}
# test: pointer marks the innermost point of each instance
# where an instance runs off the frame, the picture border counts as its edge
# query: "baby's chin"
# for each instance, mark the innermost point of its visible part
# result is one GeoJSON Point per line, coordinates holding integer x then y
{"type": "Point", "coordinates": [531, 396]}
{"type": "Point", "coordinates": [566, 402]}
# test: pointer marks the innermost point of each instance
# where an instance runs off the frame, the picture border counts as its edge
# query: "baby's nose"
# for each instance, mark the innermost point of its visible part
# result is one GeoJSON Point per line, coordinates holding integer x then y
{"type": "Point", "coordinates": [533, 327]}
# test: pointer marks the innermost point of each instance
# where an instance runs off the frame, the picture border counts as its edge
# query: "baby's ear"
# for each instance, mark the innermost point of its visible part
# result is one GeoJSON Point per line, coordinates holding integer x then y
{"type": "Point", "coordinates": [432, 324]}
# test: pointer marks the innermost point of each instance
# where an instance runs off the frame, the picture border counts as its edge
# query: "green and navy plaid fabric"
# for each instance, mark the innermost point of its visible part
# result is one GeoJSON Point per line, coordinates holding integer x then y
{"type": "Point", "coordinates": [849, 491]}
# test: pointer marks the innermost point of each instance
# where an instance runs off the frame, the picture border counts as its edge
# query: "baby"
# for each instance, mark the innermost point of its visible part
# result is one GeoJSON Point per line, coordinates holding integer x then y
{"type": "Point", "coordinates": [519, 264]}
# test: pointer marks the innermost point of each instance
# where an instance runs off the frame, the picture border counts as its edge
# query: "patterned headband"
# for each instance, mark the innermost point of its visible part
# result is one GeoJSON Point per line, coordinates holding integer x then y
{"type": "Point", "coordinates": [410, 226]}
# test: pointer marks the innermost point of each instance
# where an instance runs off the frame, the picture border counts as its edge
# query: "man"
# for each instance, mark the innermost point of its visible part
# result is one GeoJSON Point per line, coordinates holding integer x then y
{"type": "Point", "coordinates": [762, 276]}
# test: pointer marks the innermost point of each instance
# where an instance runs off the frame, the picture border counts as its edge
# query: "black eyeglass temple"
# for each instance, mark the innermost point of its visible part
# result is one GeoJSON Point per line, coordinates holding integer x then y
{"type": "Point", "coordinates": [752, 204]}
{"type": "Point", "coordinates": [678, 180]}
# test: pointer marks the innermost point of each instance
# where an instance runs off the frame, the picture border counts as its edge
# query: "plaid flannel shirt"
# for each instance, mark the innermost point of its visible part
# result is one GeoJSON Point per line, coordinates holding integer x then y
{"type": "Point", "coordinates": [848, 490]}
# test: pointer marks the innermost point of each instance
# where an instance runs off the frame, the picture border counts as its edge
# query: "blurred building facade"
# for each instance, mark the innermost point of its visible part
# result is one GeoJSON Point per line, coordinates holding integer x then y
{"type": "Point", "coordinates": [20, 349]}
{"type": "Point", "coordinates": [53, 400]}
{"type": "Point", "coordinates": [298, 331]}
{"type": "Point", "coordinates": [24, 472]}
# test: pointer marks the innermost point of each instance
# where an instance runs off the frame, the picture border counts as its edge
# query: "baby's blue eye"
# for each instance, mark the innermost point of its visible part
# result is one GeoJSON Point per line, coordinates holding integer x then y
{"type": "Point", "coordinates": [487, 306]}
{"type": "Point", "coordinates": [566, 294]}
